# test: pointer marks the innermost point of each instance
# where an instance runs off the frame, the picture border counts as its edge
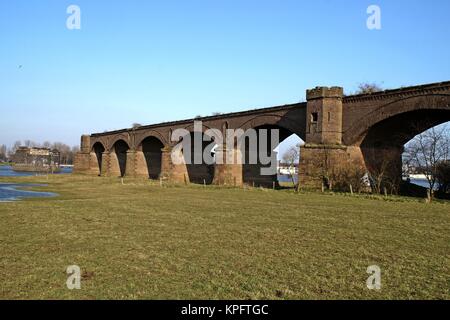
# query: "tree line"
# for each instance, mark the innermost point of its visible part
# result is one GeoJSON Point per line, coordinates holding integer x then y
{"type": "Point", "coordinates": [67, 152]}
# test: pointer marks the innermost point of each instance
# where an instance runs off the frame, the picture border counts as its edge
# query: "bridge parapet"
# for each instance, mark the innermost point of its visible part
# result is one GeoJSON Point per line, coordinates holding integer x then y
{"type": "Point", "coordinates": [434, 88]}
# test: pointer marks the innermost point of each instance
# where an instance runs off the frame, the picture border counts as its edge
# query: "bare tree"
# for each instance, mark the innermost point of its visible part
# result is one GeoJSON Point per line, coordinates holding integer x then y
{"type": "Point", "coordinates": [367, 88]}
{"type": "Point", "coordinates": [47, 144]}
{"type": "Point", "coordinates": [426, 151]}
{"type": "Point", "coordinates": [378, 174]}
{"type": "Point", "coordinates": [291, 157]}
{"type": "Point", "coordinates": [65, 152]}
{"type": "Point", "coordinates": [349, 177]}
{"type": "Point", "coordinates": [31, 144]}
{"type": "Point", "coordinates": [16, 146]}
{"type": "Point", "coordinates": [73, 152]}
{"type": "Point", "coordinates": [75, 149]}
{"type": "Point", "coordinates": [3, 152]}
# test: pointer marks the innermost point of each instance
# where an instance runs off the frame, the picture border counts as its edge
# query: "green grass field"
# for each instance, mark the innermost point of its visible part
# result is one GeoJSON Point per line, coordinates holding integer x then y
{"type": "Point", "coordinates": [140, 240]}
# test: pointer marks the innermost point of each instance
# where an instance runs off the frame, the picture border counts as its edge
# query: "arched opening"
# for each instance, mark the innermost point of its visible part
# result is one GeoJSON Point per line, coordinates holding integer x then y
{"type": "Point", "coordinates": [200, 161]}
{"type": "Point", "coordinates": [288, 155]}
{"type": "Point", "coordinates": [259, 172]}
{"type": "Point", "coordinates": [426, 161]}
{"type": "Point", "coordinates": [98, 150]}
{"type": "Point", "coordinates": [120, 148]}
{"type": "Point", "coordinates": [152, 149]}
{"type": "Point", "coordinates": [385, 143]}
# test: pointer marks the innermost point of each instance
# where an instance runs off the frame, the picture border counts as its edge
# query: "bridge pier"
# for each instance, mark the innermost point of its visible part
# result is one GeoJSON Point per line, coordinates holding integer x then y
{"type": "Point", "coordinates": [141, 168]}
{"type": "Point", "coordinates": [173, 172]}
{"type": "Point", "coordinates": [113, 165]}
{"type": "Point", "coordinates": [85, 160]}
{"type": "Point", "coordinates": [94, 167]}
{"type": "Point", "coordinates": [86, 163]}
{"type": "Point", "coordinates": [105, 164]}
{"type": "Point", "coordinates": [385, 163]}
{"type": "Point", "coordinates": [82, 163]}
{"type": "Point", "coordinates": [136, 165]}
{"type": "Point", "coordinates": [319, 162]}
{"type": "Point", "coordinates": [228, 167]}
{"type": "Point", "coordinates": [323, 154]}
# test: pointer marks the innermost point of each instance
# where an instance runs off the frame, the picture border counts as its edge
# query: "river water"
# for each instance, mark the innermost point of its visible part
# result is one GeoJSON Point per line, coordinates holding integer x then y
{"type": "Point", "coordinates": [14, 191]}
{"type": "Point", "coordinates": [7, 171]}
{"type": "Point", "coordinates": [11, 192]}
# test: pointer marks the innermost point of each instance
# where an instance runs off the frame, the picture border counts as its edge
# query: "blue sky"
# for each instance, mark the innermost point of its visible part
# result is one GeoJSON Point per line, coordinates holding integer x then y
{"type": "Point", "coordinates": [153, 61]}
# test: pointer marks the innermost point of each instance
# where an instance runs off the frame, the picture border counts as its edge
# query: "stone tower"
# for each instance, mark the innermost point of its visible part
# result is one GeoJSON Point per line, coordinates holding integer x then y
{"type": "Point", "coordinates": [324, 115]}
{"type": "Point", "coordinates": [323, 151]}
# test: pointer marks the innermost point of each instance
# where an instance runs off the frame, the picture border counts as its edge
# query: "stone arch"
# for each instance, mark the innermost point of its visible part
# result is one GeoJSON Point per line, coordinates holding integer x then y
{"type": "Point", "coordinates": [118, 157]}
{"type": "Point", "coordinates": [97, 151]}
{"type": "Point", "coordinates": [200, 169]}
{"type": "Point", "coordinates": [151, 147]}
{"type": "Point", "coordinates": [141, 136]}
{"type": "Point", "coordinates": [282, 122]}
{"type": "Point", "coordinates": [382, 134]}
{"type": "Point", "coordinates": [122, 136]}
{"type": "Point", "coordinates": [394, 115]}
{"type": "Point", "coordinates": [260, 173]}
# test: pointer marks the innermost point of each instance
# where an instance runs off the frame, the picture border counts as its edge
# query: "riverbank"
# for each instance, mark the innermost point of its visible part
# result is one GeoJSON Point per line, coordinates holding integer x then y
{"type": "Point", "coordinates": [7, 171]}
{"type": "Point", "coordinates": [19, 191]}
{"type": "Point", "coordinates": [35, 169]}
{"type": "Point", "coordinates": [141, 240]}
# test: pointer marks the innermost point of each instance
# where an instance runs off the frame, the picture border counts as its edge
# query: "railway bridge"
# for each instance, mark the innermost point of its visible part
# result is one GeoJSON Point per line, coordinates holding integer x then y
{"type": "Point", "coordinates": [366, 130]}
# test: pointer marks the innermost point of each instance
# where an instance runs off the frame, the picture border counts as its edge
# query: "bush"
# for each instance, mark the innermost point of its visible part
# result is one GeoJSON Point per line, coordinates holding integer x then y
{"type": "Point", "coordinates": [443, 176]}
{"type": "Point", "coordinates": [349, 175]}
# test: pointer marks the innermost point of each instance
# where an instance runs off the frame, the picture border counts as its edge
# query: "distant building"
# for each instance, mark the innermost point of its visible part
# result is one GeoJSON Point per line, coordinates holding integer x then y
{"type": "Point", "coordinates": [287, 169]}
{"type": "Point", "coordinates": [37, 157]}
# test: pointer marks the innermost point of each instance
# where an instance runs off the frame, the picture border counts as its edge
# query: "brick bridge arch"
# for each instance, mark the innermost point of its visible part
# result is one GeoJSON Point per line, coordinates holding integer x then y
{"type": "Point", "coordinates": [348, 129]}
{"type": "Point", "coordinates": [424, 111]}
{"type": "Point", "coordinates": [141, 136]}
{"type": "Point", "coordinates": [282, 121]}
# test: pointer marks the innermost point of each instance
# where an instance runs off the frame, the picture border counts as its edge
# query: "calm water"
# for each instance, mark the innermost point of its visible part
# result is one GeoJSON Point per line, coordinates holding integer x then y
{"type": "Point", "coordinates": [423, 183]}
{"type": "Point", "coordinates": [286, 178]}
{"type": "Point", "coordinates": [7, 171]}
{"type": "Point", "coordinates": [12, 192]}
